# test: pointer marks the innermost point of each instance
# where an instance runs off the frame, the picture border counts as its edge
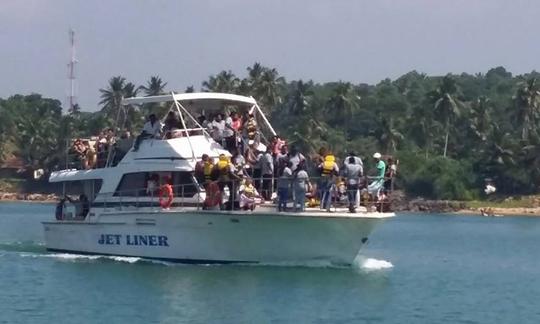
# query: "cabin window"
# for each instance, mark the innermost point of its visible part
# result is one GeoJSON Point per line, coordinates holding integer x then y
{"type": "Point", "coordinates": [136, 184]}
{"type": "Point", "coordinates": [184, 184]}
{"type": "Point", "coordinates": [132, 185]}
{"type": "Point", "coordinates": [90, 188]}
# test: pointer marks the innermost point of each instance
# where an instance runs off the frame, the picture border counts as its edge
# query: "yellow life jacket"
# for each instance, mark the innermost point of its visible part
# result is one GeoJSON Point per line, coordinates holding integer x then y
{"type": "Point", "coordinates": [328, 165]}
{"type": "Point", "coordinates": [249, 190]}
{"type": "Point", "coordinates": [208, 166]}
{"type": "Point", "coordinates": [223, 165]}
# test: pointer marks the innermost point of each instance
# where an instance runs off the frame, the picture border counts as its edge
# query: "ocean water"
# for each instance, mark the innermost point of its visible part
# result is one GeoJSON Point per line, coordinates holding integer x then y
{"type": "Point", "coordinates": [417, 268]}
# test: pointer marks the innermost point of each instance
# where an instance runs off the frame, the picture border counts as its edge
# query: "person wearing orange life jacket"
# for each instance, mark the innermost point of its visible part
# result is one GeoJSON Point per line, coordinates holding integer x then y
{"type": "Point", "coordinates": [166, 193]}
{"type": "Point", "coordinates": [328, 169]}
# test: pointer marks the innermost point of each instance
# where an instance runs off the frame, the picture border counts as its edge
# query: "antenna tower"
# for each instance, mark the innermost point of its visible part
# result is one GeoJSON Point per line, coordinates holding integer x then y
{"type": "Point", "coordinates": [71, 73]}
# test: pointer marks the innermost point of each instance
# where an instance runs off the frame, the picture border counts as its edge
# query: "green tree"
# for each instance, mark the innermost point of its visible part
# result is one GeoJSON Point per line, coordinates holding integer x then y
{"type": "Point", "coordinates": [111, 101]}
{"type": "Point", "coordinates": [527, 101]}
{"type": "Point", "coordinates": [446, 105]}
{"type": "Point", "coordinates": [224, 81]}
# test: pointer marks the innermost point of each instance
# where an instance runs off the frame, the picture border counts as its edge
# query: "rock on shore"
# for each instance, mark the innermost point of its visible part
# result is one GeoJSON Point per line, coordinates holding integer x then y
{"type": "Point", "coordinates": [399, 202]}
{"type": "Point", "coordinates": [11, 196]}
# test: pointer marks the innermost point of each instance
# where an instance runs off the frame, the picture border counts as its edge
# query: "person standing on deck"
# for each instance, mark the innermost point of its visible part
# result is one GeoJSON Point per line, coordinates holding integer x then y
{"type": "Point", "coordinates": [329, 170]}
{"type": "Point", "coordinates": [226, 178]}
{"type": "Point", "coordinates": [266, 162]}
{"type": "Point", "coordinates": [378, 180]}
{"type": "Point", "coordinates": [283, 185]}
{"type": "Point", "coordinates": [295, 158]}
{"type": "Point", "coordinates": [300, 184]}
{"type": "Point", "coordinates": [352, 171]}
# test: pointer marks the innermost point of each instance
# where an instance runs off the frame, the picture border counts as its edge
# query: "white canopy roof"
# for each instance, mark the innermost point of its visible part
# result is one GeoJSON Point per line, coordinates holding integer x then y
{"type": "Point", "coordinates": [209, 96]}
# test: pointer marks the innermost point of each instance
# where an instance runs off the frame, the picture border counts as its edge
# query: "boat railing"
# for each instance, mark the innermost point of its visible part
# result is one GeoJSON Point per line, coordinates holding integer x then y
{"type": "Point", "coordinates": [320, 192]}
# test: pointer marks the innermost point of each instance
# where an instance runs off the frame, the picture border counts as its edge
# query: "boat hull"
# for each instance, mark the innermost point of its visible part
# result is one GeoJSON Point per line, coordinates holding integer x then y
{"type": "Point", "coordinates": [215, 237]}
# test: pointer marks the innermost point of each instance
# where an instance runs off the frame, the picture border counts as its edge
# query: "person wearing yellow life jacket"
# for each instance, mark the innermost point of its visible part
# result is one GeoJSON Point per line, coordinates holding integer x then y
{"type": "Point", "coordinates": [248, 195]}
{"type": "Point", "coordinates": [199, 168]}
{"type": "Point", "coordinates": [226, 177]}
{"type": "Point", "coordinates": [328, 169]}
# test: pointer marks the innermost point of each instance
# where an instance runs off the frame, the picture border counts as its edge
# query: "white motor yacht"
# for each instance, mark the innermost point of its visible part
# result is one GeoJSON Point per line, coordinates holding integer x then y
{"type": "Point", "coordinates": [125, 219]}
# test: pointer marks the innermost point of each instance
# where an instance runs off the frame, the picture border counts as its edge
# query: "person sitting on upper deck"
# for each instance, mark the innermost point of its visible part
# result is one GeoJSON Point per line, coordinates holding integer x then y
{"type": "Point", "coordinates": [151, 129]}
{"type": "Point", "coordinates": [218, 125]}
{"type": "Point", "coordinates": [82, 206]}
{"type": "Point", "coordinates": [90, 156]}
{"type": "Point", "coordinates": [122, 146]}
{"type": "Point", "coordinates": [79, 153]}
{"type": "Point", "coordinates": [171, 124]}
{"type": "Point", "coordinates": [251, 128]}
{"type": "Point", "coordinates": [229, 134]}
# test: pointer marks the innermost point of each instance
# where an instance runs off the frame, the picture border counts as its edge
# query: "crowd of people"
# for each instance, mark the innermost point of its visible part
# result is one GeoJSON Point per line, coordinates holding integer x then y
{"type": "Point", "coordinates": [255, 172]}
{"type": "Point", "coordinates": [282, 174]}
{"type": "Point", "coordinates": [101, 150]}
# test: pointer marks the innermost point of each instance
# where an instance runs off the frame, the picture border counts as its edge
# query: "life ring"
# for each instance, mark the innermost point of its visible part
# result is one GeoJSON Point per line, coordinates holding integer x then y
{"type": "Point", "coordinates": [165, 196]}
{"type": "Point", "coordinates": [213, 195]}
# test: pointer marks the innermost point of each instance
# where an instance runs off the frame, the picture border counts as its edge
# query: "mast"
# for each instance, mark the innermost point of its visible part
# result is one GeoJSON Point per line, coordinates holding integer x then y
{"type": "Point", "coordinates": [71, 73]}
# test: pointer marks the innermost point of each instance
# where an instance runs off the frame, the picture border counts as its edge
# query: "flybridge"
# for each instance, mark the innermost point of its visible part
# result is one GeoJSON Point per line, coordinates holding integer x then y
{"type": "Point", "coordinates": [189, 104]}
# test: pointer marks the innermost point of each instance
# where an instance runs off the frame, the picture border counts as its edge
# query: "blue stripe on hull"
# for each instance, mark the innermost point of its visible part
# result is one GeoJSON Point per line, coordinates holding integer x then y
{"type": "Point", "coordinates": [172, 260]}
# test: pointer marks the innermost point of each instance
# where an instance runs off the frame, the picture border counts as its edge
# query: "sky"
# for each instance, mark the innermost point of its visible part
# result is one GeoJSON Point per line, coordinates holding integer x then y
{"type": "Point", "coordinates": [184, 42]}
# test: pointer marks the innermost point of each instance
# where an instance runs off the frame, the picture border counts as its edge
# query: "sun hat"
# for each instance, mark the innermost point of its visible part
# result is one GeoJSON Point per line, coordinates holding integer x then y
{"type": "Point", "coordinates": [377, 155]}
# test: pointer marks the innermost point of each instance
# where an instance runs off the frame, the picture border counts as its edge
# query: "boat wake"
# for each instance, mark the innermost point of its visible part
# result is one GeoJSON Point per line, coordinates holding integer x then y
{"type": "Point", "coordinates": [91, 258]}
{"type": "Point", "coordinates": [22, 246]}
{"type": "Point", "coordinates": [370, 264]}
{"type": "Point", "coordinates": [30, 249]}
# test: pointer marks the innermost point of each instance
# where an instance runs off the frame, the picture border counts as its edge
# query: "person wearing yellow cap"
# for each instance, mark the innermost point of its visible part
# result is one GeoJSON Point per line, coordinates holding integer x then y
{"type": "Point", "coordinates": [329, 170]}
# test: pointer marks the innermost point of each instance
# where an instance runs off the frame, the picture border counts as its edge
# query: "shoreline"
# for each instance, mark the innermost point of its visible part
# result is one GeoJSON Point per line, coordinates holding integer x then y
{"type": "Point", "coordinates": [413, 206]}
{"type": "Point", "coordinates": [28, 197]}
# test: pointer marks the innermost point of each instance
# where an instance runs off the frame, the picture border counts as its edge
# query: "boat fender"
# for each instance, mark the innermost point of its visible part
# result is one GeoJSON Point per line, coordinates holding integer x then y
{"type": "Point", "coordinates": [213, 195]}
{"type": "Point", "coordinates": [165, 196]}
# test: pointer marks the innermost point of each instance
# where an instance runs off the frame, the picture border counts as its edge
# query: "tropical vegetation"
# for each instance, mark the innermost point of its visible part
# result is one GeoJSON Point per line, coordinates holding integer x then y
{"type": "Point", "coordinates": [450, 133]}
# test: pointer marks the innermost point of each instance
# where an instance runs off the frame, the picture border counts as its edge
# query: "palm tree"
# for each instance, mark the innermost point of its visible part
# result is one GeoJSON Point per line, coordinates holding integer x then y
{"type": "Point", "coordinates": [267, 88]}
{"type": "Point", "coordinates": [154, 87]}
{"type": "Point", "coordinates": [527, 101]}
{"type": "Point", "coordinates": [481, 118]}
{"type": "Point", "coordinates": [111, 97]}
{"type": "Point", "coordinates": [224, 81]}
{"type": "Point", "coordinates": [342, 104]}
{"type": "Point", "coordinates": [446, 104]}
{"type": "Point", "coordinates": [300, 98]}
{"type": "Point", "coordinates": [111, 101]}
{"type": "Point", "coordinates": [389, 136]}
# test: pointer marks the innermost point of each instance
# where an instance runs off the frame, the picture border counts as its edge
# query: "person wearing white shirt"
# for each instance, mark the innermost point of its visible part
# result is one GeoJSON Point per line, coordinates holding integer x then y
{"type": "Point", "coordinates": [151, 129]}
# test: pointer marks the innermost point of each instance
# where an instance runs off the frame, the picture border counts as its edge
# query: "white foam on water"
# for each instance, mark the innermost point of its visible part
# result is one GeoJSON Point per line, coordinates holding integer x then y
{"type": "Point", "coordinates": [371, 264]}
{"type": "Point", "coordinates": [63, 256]}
